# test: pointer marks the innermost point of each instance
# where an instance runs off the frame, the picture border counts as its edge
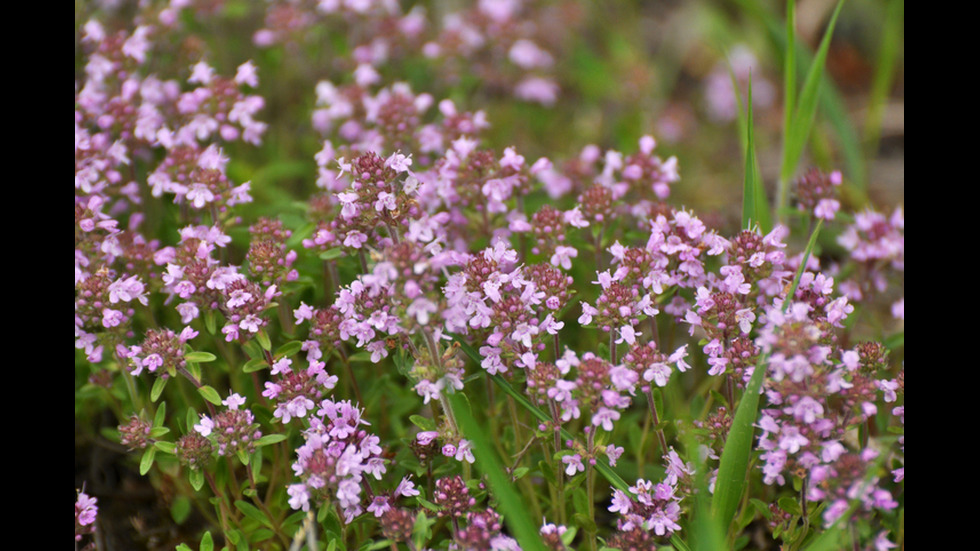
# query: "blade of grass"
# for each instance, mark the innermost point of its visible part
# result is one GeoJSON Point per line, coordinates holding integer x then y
{"type": "Point", "coordinates": [789, 66]}
{"type": "Point", "coordinates": [798, 131]}
{"type": "Point", "coordinates": [733, 468]}
{"type": "Point", "coordinates": [755, 210]}
{"type": "Point", "coordinates": [509, 502]}
{"type": "Point", "coordinates": [602, 466]}
{"type": "Point", "coordinates": [831, 104]}
{"type": "Point", "coordinates": [706, 533]}
{"type": "Point", "coordinates": [885, 68]}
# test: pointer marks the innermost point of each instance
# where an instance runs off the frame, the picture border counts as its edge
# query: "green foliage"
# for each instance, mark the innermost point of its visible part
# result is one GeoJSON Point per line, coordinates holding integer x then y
{"type": "Point", "coordinates": [510, 503]}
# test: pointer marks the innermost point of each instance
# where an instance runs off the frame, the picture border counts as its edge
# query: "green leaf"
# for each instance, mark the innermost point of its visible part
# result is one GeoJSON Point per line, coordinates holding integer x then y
{"type": "Point", "coordinates": [706, 532]}
{"type": "Point", "coordinates": [811, 244]}
{"type": "Point", "coordinates": [253, 350]}
{"type": "Point", "coordinates": [360, 357]}
{"type": "Point", "coordinates": [755, 208]}
{"type": "Point", "coordinates": [886, 65]}
{"type": "Point", "coordinates": [210, 322]}
{"type": "Point", "coordinates": [243, 456]}
{"type": "Point", "coordinates": [263, 339]}
{"type": "Point", "coordinates": [195, 370]}
{"type": "Point", "coordinates": [180, 509]}
{"type": "Point", "coordinates": [253, 512]}
{"type": "Point", "coordinates": [423, 423]}
{"type": "Point", "coordinates": [789, 66]}
{"type": "Point", "coordinates": [831, 105]}
{"type": "Point", "coordinates": [270, 439]}
{"type": "Point", "coordinates": [790, 505]}
{"type": "Point", "coordinates": [510, 504]}
{"type": "Point", "coordinates": [288, 349]}
{"type": "Point", "coordinates": [157, 432]}
{"type": "Point", "coordinates": [165, 447]}
{"type": "Point", "coordinates": [207, 544]}
{"type": "Point", "coordinates": [762, 507]}
{"type": "Point", "coordinates": [798, 132]}
{"type": "Point", "coordinates": [196, 478]}
{"type": "Point", "coordinates": [251, 366]}
{"type": "Point", "coordinates": [161, 416]}
{"type": "Point", "coordinates": [421, 531]}
{"type": "Point", "coordinates": [200, 357]}
{"type": "Point", "coordinates": [569, 535]}
{"type": "Point", "coordinates": [210, 394]}
{"type": "Point", "coordinates": [331, 254]}
{"type": "Point", "coordinates": [158, 386]}
{"type": "Point", "coordinates": [183, 547]}
{"type": "Point", "coordinates": [146, 463]}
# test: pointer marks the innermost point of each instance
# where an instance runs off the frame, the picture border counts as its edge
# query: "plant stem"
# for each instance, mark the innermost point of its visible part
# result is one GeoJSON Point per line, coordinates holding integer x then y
{"type": "Point", "coordinates": [656, 422]}
{"type": "Point", "coordinates": [590, 488]}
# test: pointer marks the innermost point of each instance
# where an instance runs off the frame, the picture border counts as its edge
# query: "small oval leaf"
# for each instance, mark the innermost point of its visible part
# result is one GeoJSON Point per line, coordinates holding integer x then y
{"type": "Point", "coordinates": [165, 447]}
{"type": "Point", "coordinates": [196, 478]}
{"type": "Point", "coordinates": [147, 461]}
{"type": "Point", "coordinates": [158, 386]}
{"type": "Point", "coordinates": [270, 439]}
{"type": "Point", "coordinates": [200, 357]}
{"type": "Point", "coordinates": [251, 366]}
{"type": "Point", "coordinates": [210, 394]}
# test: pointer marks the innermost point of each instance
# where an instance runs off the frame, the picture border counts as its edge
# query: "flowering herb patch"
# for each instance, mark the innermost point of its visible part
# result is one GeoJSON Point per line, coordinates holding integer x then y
{"type": "Point", "coordinates": [439, 343]}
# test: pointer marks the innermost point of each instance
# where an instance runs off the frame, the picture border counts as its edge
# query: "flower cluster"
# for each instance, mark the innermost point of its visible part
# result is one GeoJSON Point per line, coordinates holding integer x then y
{"type": "Point", "coordinates": [297, 391]}
{"type": "Point", "coordinates": [234, 431]}
{"type": "Point", "coordinates": [86, 511]}
{"type": "Point", "coordinates": [648, 507]}
{"type": "Point", "coordinates": [816, 392]}
{"type": "Point", "coordinates": [161, 351]}
{"type": "Point", "coordinates": [335, 456]}
{"type": "Point", "coordinates": [816, 192]}
{"type": "Point", "coordinates": [877, 243]}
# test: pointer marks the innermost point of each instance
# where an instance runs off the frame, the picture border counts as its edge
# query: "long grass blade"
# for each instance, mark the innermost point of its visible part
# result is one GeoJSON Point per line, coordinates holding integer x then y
{"type": "Point", "coordinates": [509, 502]}
{"type": "Point", "coordinates": [789, 90]}
{"type": "Point", "coordinates": [885, 69]}
{"type": "Point", "coordinates": [755, 208]}
{"type": "Point", "coordinates": [735, 457]}
{"type": "Point", "coordinates": [831, 103]}
{"type": "Point", "coordinates": [706, 533]}
{"type": "Point", "coordinates": [798, 131]}
{"type": "Point", "coordinates": [789, 65]}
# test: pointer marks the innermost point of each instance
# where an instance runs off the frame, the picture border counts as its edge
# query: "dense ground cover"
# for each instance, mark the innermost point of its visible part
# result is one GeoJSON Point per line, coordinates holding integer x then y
{"type": "Point", "coordinates": [362, 274]}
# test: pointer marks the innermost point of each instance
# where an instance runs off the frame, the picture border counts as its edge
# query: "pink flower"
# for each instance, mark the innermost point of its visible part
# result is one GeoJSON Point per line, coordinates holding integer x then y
{"type": "Point", "coordinates": [355, 239]}
{"type": "Point", "coordinates": [86, 509]}
{"type": "Point", "coordinates": [205, 427]}
{"type": "Point", "coordinates": [304, 312]}
{"type": "Point", "coordinates": [247, 74]}
{"type": "Point", "coordinates": [234, 401]}
{"type": "Point", "coordinates": [574, 463]}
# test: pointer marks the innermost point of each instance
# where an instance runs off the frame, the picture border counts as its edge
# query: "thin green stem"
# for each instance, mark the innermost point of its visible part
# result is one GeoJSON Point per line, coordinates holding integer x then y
{"type": "Point", "coordinates": [590, 489]}
{"type": "Point", "coordinates": [655, 417]}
